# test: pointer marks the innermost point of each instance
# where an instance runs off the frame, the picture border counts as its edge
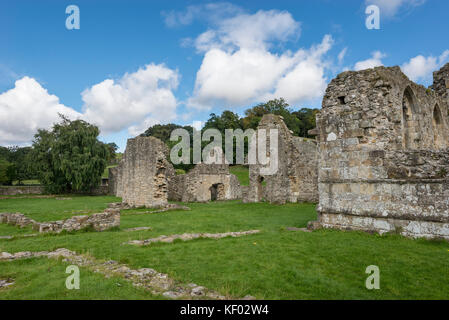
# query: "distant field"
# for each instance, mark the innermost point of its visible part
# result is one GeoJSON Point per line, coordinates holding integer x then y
{"type": "Point", "coordinates": [242, 174]}
{"type": "Point", "coordinates": [274, 264]}
{"type": "Point", "coordinates": [27, 182]}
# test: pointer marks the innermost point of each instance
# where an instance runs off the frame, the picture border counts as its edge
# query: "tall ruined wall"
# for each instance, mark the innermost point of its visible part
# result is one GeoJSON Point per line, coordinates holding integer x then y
{"type": "Point", "coordinates": [144, 173]}
{"type": "Point", "coordinates": [296, 178]}
{"type": "Point", "coordinates": [383, 166]}
{"type": "Point", "coordinates": [203, 183]}
{"type": "Point", "coordinates": [441, 82]}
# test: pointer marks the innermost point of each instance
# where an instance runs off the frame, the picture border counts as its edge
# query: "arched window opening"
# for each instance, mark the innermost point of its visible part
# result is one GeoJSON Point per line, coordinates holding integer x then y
{"type": "Point", "coordinates": [409, 124]}
{"type": "Point", "coordinates": [438, 128]}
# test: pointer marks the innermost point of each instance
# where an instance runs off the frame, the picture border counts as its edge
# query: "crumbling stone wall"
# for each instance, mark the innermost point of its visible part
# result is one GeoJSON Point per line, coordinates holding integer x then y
{"type": "Point", "coordinates": [296, 179]}
{"type": "Point", "coordinates": [143, 176]}
{"type": "Point", "coordinates": [441, 82]}
{"type": "Point", "coordinates": [16, 190]}
{"type": "Point", "coordinates": [108, 219]}
{"type": "Point", "coordinates": [384, 154]}
{"type": "Point", "coordinates": [204, 183]}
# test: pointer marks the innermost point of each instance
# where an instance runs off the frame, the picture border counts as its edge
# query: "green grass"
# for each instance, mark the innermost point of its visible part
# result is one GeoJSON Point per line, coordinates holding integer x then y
{"type": "Point", "coordinates": [56, 208]}
{"type": "Point", "coordinates": [274, 264]}
{"type": "Point", "coordinates": [43, 278]}
{"type": "Point", "coordinates": [105, 174]}
{"type": "Point", "coordinates": [28, 182]}
{"type": "Point", "coordinates": [242, 174]}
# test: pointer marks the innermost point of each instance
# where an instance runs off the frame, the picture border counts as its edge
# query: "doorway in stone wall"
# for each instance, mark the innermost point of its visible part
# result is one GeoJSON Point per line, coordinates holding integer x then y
{"type": "Point", "coordinates": [217, 192]}
{"type": "Point", "coordinates": [260, 184]}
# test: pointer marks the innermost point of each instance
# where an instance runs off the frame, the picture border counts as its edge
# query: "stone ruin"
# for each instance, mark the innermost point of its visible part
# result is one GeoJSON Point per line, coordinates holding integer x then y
{"type": "Point", "coordinates": [296, 179]}
{"type": "Point", "coordinates": [143, 175]}
{"type": "Point", "coordinates": [384, 154]}
{"type": "Point", "coordinates": [108, 219]}
{"type": "Point", "coordinates": [146, 178]}
{"type": "Point", "coordinates": [205, 182]}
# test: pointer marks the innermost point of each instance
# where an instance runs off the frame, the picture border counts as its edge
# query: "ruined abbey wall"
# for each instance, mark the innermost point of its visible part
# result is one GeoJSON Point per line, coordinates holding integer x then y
{"type": "Point", "coordinates": [384, 154]}
{"type": "Point", "coordinates": [297, 176]}
{"type": "Point", "coordinates": [143, 175]}
{"type": "Point", "coordinates": [204, 183]}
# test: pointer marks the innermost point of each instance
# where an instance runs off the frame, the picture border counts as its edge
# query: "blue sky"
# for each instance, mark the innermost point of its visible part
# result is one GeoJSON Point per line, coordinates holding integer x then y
{"type": "Point", "coordinates": [135, 63]}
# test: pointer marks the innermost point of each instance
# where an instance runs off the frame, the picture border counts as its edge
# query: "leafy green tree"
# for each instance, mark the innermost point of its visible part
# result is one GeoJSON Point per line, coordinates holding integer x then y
{"type": "Point", "coordinates": [112, 148]}
{"type": "Point", "coordinates": [163, 131]}
{"type": "Point", "coordinates": [69, 157]}
{"type": "Point", "coordinates": [7, 172]}
{"type": "Point", "coordinates": [307, 118]}
{"type": "Point", "coordinates": [19, 156]}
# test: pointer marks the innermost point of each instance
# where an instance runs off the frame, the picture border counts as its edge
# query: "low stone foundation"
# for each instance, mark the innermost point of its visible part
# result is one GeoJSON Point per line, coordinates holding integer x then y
{"type": "Point", "coordinates": [192, 236]}
{"type": "Point", "coordinates": [408, 228]}
{"type": "Point", "coordinates": [17, 190]}
{"type": "Point", "coordinates": [108, 219]}
{"type": "Point", "coordinates": [149, 279]}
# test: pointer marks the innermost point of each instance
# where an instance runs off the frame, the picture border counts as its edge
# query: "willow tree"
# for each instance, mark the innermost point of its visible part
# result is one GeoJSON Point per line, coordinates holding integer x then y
{"type": "Point", "coordinates": [69, 158]}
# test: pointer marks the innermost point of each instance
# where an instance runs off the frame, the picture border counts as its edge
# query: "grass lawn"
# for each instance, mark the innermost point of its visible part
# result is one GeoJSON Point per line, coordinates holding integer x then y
{"type": "Point", "coordinates": [242, 174]}
{"type": "Point", "coordinates": [56, 208]}
{"type": "Point", "coordinates": [274, 264]}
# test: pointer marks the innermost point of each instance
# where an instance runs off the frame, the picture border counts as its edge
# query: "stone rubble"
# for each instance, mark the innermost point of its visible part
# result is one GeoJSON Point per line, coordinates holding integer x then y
{"type": "Point", "coordinates": [6, 283]}
{"type": "Point", "coordinates": [155, 282]}
{"type": "Point", "coordinates": [191, 236]}
{"type": "Point", "coordinates": [137, 229]}
{"type": "Point", "coordinates": [108, 219]}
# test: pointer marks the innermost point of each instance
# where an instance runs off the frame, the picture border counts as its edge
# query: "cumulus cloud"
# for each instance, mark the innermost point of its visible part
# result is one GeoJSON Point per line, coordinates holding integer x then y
{"type": "Point", "coordinates": [374, 61]}
{"type": "Point", "coordinates": [26, 108]}
{"type": "Point", "coordinates": [390, 8]}
{"type": "Point", "coordinates": [239, 67]}
{"type": "Point", "coordinates": [134, 102]}
{"type": "Point", "coordinates": [420, 68]}
{"type": "Point", "coordinates": [145, 94]}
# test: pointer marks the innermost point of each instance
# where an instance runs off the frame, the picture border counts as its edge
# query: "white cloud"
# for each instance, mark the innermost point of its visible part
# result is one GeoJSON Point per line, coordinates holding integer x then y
{"type": "Point", "coordinates": [374, 61]}
{"type": "Point", "coordinates": [255, 31]}
{"type": "Point", "coordinates": [210, 11]}
{"type": "Point", "coordinates": [390, 8]}
{"type": "Point", "coordinates": [145, 94]}
{"type": "Point", "coordinates": [341, 55]}
{"type": "Point", "coordinates": [140, 128]}
{"type": "Point", "coordinates": [27, 107]}
{"type": "Point", "coordinates": [134, 102]}
{"type": "Point", "coordinates": [421, 68]}
{"type": "Point", "coordinates": [238, 67]}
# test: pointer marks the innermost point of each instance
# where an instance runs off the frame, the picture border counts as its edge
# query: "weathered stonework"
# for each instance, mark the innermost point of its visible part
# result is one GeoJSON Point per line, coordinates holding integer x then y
{"type": "Point", "coordinates": [384, 154]}
{"type": "Point", "coordinates": [108, 219]}
{"type": "Point", "coordinates": [143, 176]}
{"type": "Point", "coordinates": [296, 179]}
{"type": "Point", "coordinates": [17, 190]}
{"type": "Point", "coordinates": [204, 183]}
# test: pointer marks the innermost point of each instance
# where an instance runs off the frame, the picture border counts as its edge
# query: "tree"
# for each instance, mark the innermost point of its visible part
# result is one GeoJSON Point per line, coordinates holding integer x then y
{"type": "Point", "coordinates": [19, 156]}
{"type": "Point", "coordinates": [7, 172]}
{"type": "Point", "coordinates": [69, 157]}
{"type": "Point", "coordinates": [112, 148]}
{"type": "Point", "coordinates": [307, 119]}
